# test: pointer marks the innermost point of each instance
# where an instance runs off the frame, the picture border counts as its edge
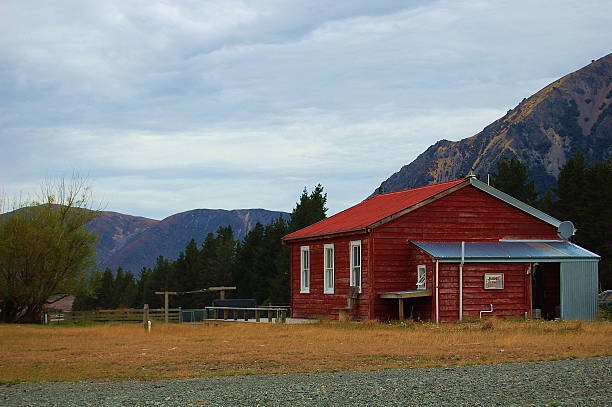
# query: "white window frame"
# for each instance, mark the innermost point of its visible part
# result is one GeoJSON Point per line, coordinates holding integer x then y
{"type": "Point", "coordinates": [355, 270]}
{"type": "Point", "coordinates": [328, 269]}
{"type": "Point", "coordinates": [304, 269]}
{"type": "Point", "coordinates": [421, 277]}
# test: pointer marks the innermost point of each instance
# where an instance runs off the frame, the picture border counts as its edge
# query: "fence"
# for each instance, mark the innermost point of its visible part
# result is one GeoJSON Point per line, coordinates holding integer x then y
{"type": "Point", "coordinates": [120, 315]}
{"type": "Point", "coordinates": [269, 313]}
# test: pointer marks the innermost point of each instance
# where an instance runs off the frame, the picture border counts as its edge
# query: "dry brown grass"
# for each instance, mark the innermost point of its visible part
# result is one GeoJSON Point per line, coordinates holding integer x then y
{"type": "Point", "coordinates": [33, 353]}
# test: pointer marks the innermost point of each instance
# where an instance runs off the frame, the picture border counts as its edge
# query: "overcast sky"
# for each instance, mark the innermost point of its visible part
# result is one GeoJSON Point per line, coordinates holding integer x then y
{"type": "Point", "coordinates": [176, 105]}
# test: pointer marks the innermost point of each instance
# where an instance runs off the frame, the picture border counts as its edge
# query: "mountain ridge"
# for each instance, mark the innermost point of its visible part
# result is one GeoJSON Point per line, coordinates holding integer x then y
{"type": "Point", "coordinates": [571, 114]}
{"type": "Point", "coordinates": [134, 242]}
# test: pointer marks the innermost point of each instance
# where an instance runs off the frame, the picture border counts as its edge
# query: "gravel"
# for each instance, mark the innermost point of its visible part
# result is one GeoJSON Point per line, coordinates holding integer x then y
{"type": "Point", "coordinates": [577, 382]}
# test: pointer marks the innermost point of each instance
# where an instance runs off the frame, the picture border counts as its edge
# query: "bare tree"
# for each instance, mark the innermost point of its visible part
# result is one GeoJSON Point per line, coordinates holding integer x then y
{"type": "Point", "coordinates": [45, 248]}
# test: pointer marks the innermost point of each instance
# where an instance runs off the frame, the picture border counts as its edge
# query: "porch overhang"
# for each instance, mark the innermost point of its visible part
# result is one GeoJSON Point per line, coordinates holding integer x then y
{"type": "Point", "coordinates": [554, 251]}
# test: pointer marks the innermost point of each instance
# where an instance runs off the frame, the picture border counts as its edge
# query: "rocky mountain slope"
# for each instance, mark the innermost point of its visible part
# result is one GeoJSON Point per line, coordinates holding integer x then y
{"type": "Point", "coordinates": [571, 114]}
{"type": "Point", "coordinates": [134, 242]}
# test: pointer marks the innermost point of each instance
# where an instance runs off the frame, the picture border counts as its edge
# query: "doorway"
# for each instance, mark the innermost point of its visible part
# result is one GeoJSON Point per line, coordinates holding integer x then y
{"type": "Point", "coordinates": [546, 289]}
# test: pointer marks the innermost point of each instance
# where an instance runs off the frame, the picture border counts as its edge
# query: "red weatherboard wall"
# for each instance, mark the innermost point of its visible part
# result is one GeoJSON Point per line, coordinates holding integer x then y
{"type": "Point", "coordinates": [512, 300]}
{"type": "Point", "coordinates": [316, 304]}
{"type": "Point", "coordinates": [467, 214]}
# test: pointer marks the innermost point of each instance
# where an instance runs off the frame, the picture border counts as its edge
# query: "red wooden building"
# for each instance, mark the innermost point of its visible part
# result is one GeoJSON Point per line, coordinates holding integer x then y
{"type": "Point", "coordinates": [440, 252]}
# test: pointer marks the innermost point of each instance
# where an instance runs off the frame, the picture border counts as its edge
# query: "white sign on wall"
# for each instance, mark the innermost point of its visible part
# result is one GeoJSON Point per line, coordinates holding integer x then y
{"type": "Point", "coordinates": [494, 281]}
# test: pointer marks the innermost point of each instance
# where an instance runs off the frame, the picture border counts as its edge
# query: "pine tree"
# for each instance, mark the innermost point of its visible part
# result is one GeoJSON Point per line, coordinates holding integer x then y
{"type": "Point", "coordinates": [585, 192]}
{"type": "Point", "coordinates": [511, 177]}
{"type": "Point", "coordinates": [309, 210]}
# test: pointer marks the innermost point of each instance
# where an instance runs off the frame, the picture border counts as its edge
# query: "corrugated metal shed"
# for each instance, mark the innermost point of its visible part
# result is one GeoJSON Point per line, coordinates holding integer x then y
{"type": "Point", "coordinates": [504, 251]}
{"type": "Point", "coordinates": [578, 290]}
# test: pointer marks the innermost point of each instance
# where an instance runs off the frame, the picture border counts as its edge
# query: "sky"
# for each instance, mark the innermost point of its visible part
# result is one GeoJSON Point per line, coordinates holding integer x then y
{"type": "Point", "coordinates": [168, 106]}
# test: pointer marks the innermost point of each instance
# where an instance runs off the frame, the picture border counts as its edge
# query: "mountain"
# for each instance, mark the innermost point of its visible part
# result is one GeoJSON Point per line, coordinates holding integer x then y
{"type": "Point", "coordinates": [115, 230]}
{"type": "Point", "coordinates": [134, 242]}
{"type": "Point", "coordinates": [571, 114]}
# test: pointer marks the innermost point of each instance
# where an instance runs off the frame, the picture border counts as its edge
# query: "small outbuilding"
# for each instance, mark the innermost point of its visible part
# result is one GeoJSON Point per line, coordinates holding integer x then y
{"type": "Point", "coordinates": [441, 252]}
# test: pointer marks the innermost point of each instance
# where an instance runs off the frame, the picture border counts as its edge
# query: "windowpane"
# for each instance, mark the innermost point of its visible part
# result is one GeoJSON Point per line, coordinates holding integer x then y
{"type": "Point", "coordinates": [355, 270]}
{"type": "Point", "coordinates": [421, 277]}
{"type": "Point", "coordinates": [328, 269]}
{"type": "Point", "coordinates": [305, 270]}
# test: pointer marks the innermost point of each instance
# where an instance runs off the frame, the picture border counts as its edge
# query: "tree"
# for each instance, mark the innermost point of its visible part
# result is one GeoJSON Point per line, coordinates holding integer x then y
{"type": "Point", "coordinates": [585, 192]}
{"type": "Point", "coordinates": [511, 177]}
{"type": "Point", "coordinates": [45, 250]}
{"type": "Point", "coordinates": [309, 210]}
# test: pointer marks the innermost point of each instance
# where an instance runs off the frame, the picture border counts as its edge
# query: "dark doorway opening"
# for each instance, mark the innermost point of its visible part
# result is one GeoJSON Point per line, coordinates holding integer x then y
{"type": "Point", "coordinates": [546, 289]}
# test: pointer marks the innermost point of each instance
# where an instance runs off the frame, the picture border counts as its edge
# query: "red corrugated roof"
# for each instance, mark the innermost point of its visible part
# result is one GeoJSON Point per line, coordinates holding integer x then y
{"type": "Point", "coordinates": [375, 209]}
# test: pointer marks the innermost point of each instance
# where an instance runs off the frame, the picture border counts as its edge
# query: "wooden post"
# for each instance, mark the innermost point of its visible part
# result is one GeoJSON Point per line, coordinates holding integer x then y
{"type": "Point", "coordinates": [166, 293]}
{"type": "Point", "coordinates": [166, 306]}
{"type": "Point", "coordinates": [257, 315]}
{"type": "Point", "coordinates": [401, 309]}
{"type": "Point", "coordinates": [221, 290]}
{"type": "Point", "coordinates": [225, 313]}
{"type": "Point", "coordinates": [145, 316]}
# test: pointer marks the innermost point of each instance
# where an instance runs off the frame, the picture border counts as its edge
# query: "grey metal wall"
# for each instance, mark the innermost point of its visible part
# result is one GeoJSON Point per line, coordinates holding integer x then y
{"type": "Point", "coordinates": [579, 283]}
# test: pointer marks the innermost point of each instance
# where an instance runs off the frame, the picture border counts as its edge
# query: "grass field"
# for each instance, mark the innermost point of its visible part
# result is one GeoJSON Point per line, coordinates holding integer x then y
{"type": "Point", "coordinates": [126, 351]}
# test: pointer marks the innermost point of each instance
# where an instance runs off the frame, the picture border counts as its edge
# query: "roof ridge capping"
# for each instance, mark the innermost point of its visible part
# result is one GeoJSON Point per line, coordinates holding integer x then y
{"type": "Point", "coordinates": [475, 182]}
{"type": "Point", "coordinates": [421, 187]}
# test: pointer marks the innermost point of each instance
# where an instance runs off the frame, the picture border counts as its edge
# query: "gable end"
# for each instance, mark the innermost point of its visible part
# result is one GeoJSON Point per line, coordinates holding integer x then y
{"type": "Point", "coordinates": [502, 196]}
{"type": "Point", "coordinates": [418, 205]}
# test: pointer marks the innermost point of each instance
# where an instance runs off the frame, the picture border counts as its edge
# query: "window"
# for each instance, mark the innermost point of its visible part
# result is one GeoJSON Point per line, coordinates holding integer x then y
{"type": "Point", "coordinates": [328, 269]}
{"type": "Point", "coordinates": [356, 264]}
{"type": "Point", "coordinates": [305, 274]}
{"type": "Point", "coordinates": [421, 277]}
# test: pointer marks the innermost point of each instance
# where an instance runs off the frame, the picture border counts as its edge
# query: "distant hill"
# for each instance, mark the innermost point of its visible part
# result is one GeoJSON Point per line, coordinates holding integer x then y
{"type": "Point", "coordinates": [134, 242]}
{"type": "Point", "coordinates": [571, 114]}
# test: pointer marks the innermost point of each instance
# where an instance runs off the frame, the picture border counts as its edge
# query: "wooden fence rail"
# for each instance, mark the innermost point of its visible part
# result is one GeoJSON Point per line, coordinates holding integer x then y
{"type": "Point", "coordinates": [123, 315]}
{"type": "Point", "coordinates": [272, 314]}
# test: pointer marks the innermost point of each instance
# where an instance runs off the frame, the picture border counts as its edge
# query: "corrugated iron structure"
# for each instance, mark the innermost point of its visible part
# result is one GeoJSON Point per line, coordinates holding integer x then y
{"type": "Point", "coordinates": [411, 240]}
{"type": "Point", "coordinates": [504, 251]}
{"type": "Point", "coordinates": [579, 290]}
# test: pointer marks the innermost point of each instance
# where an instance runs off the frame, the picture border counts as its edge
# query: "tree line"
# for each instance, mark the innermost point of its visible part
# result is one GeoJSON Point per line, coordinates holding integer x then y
{"type": "Point", "coordinates": [583, 195]}
{"type": "Point", "coordinates": [258, 266]}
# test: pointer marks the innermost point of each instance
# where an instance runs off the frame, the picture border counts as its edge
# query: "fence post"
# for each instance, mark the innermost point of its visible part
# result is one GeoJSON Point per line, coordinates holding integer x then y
{"type": "Point", "coordinates": [257, 315]}
{"type": "Point", "coordinates": [180, 315]}
{"type": "Point", "coordinates": [145, 316]}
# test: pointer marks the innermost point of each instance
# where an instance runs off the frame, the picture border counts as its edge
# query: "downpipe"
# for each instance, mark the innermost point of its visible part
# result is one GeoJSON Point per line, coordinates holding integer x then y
{"type": "Point", "coordinates": [461, 282]}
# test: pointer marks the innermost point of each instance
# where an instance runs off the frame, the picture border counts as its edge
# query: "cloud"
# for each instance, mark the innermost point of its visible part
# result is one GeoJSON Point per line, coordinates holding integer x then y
{"type": "Point", "coordinates": [175, 105]}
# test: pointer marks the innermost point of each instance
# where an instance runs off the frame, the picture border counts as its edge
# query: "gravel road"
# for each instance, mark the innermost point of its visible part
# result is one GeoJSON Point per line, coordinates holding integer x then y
{"type": "Point", "coordinates": [579, 382]}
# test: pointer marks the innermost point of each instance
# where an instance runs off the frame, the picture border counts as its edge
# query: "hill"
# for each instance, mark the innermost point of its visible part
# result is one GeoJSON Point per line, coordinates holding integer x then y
{"type": "Point", "coordinates": [571, 114]}
{"type": "Point", "coordinates": [134, 242]}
